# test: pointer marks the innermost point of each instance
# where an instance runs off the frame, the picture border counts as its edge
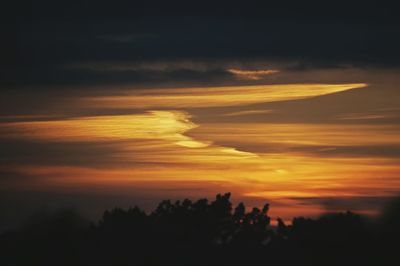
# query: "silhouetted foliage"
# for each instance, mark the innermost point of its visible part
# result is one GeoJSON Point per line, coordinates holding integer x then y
{"type": "Point", "coordinates": [201, 233]}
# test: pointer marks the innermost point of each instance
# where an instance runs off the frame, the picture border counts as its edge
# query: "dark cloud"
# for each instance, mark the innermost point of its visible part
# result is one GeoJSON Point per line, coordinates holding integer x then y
{"type": "Point", "coordinates": [70, 78]}
{"type": "Point", "coordinates": [47, 36]}
{"type": "Point", "coordinates": [24, 152]}
{"type": "Point", "coordinates": [262, 10]}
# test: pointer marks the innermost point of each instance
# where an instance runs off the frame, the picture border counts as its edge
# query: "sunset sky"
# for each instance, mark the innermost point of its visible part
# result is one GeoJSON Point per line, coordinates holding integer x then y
{"type": "Point", "coordinates": [268, 102]}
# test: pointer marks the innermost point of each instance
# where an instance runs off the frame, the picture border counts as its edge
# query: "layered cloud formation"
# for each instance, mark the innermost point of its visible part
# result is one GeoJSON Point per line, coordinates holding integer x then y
{"type": "Point", "coordinates": [105, 104]}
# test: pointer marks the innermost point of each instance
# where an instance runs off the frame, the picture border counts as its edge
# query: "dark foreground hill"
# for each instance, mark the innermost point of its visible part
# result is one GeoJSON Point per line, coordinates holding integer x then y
{"type": "Point", "coordinates": [202, 233]}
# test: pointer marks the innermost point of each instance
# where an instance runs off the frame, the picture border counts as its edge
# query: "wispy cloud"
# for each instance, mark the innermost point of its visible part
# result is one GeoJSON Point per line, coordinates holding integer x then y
{"type": "Point", "coordinates": [252, 74]}
{"type": "Point", "coordinates": [162, 125]}
{"type": "Point", "coordinates": [205, 97]}
{"type": "Point", "coordinates": [249, 112]}
{"type": "Point", "coordinates": [368, 116]}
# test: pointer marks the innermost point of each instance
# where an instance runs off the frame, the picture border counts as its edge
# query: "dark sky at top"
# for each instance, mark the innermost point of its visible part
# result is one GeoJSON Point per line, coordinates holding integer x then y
{"type": "Point", "coordinates": [44, 41]}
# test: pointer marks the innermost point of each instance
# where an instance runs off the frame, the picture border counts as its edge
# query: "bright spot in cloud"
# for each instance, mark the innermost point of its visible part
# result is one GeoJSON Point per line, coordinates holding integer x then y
{"type": "Point", "coordinates": [252, 74]}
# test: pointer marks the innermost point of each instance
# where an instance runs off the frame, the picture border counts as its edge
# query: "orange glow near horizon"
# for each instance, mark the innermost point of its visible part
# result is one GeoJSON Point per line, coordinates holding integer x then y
{"type": "Point", "coordinates": [163, 148]}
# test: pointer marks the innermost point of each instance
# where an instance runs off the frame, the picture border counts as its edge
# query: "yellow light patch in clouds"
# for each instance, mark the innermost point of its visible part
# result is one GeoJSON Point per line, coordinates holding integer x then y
{"type": "Point", "coordinates": [213, 96]}
{"type": "Point", "coordinates": [164, 125]}
{"type": "Point", "coordinates": [153, 135]}
{"type": "Point", "coordinates": [252, 74]}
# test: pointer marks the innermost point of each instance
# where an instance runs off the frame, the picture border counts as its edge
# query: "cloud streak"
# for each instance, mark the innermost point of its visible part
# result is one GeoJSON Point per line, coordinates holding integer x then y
{"type": "Point", "coordinates": [206, 97]}
{"type": "Point", "coordinates": [252, 74]}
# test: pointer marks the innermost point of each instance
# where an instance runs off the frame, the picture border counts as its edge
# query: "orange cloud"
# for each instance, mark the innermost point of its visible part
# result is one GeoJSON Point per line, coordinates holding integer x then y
{"type": "Point", "coordinates": [212, 96]}
{"type": "Point", "coordinates": [165, 148]}
{"type": "Point", "coordinates": [252, 74]}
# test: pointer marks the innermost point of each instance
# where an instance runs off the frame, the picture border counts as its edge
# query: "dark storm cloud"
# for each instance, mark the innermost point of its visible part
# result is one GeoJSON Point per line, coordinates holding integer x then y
{"type": "Point", "coordinates": [134, 10]}
{"type": "Point", "coordinates": [70, 77]}
{"type": "Point", "coordinates": [49, 36]}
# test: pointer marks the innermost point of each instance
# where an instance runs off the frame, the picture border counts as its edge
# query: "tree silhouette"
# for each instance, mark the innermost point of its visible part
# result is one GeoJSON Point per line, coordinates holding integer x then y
{"type": "Point", "coordinates": [201, 232]}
